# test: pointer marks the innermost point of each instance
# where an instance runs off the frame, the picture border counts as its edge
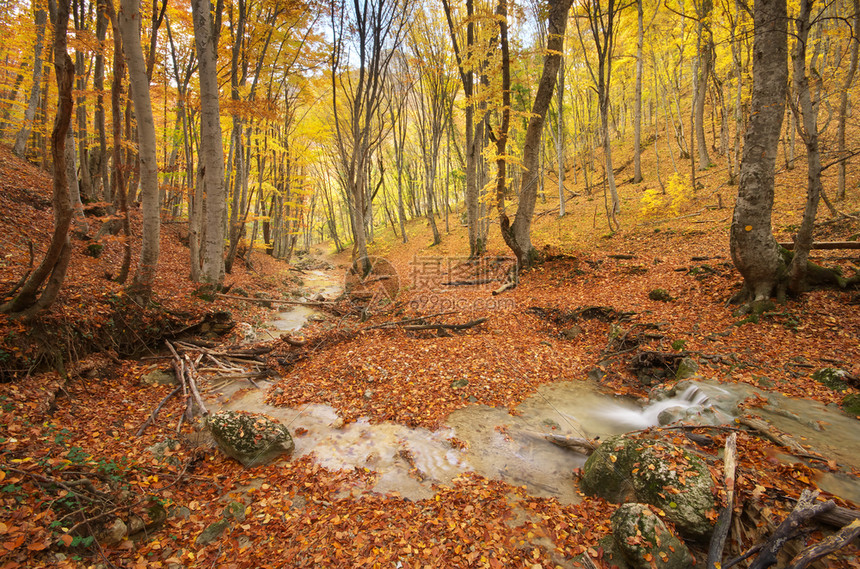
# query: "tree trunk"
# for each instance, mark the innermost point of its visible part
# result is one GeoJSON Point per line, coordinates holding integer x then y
{"type": "Point", "coordinates": [129, 23]}
{"type": "Point", "coordinates": [806, 112]}
{"type": "Point", "coordinates": [20, 146]}
{"type": "Point", "coordinates": [210, 172]}
{"type": "Point", "coordinates": [637, 103]}
{"type": "Point", "coordinates": [706, 50]}
{"type": "Point", "coordinates": [843, 100]}
{"type": "Point", "coordinates": [517, 235]}
{"type": "Point", "coordinates": [754, 250]}
{"type": "Point", "coordinates": [53, 267]}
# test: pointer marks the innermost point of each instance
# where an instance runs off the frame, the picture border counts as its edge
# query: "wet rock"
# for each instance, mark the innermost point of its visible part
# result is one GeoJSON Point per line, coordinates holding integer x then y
{"type": "Point", "coordinates": [158, 377]}
{"type": "Point", "coordinates": [251, 439]}
{"type": "Point", "coordinates": [211, 532]}
{"type": "Point", "coordinates": [657, 473]}
{"type": "Point", "coordinates": [645, 540]}
{"type": "Point", "coordinates": [687, 368]}
{"type": "Point", "coordinates": [832, 378]}
{"type": "Point", "coordinates": [612, 554]}
{"type": "Point", "coordinates": [671, 415]}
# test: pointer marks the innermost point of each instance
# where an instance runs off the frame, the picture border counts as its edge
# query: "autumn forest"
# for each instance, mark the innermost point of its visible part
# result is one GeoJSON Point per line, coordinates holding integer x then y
{"type": "Point", "coordinates": [483, 283]}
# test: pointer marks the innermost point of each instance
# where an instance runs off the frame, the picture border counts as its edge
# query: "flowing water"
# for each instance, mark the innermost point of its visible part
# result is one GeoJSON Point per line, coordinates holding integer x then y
{"type": "Point", "coordinates": [320, 285]}
{"type": "Point", "coordinates": [499, 445]}
{"type": "Point", "coordinates": [511, 447]}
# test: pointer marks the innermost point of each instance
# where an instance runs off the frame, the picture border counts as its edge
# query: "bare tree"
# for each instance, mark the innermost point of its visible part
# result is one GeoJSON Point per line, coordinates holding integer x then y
{"type": "Point", "coordinates": [517, 235]}
{"type": "Point", "coordinates": [374, 29]}
{"type": "Point", "coordinates": [602, 25]}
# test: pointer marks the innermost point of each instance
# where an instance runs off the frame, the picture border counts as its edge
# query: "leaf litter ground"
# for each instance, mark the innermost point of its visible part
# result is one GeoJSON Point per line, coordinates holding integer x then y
{"type": "Point", "coordinates": [296, 513]}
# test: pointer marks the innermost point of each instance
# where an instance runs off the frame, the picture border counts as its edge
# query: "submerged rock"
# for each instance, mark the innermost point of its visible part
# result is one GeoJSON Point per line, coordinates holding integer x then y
{"type": "Point", "coordinates": [251, 439]}
{"type": "Point", "coordinates": [645, 541]}
{"type": "Point", "coordinates": [655, 472]}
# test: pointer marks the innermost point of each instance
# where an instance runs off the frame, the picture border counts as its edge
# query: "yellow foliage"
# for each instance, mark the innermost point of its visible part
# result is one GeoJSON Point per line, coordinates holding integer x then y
{"type": "Point", "coordinates": [658, 204]}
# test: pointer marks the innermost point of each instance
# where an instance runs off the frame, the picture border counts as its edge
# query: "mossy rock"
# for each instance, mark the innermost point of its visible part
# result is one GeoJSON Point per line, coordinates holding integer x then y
{"type": "Point", "coordinates": [646, 542]}
{"type": "Point", "coordinates": [687, 368]}
{"type": "Point", "coordinates": [660, 295]}
{"type": "Point", "coordinates": [832, 378]}
{"type": "Point", "coordinates": [251, 439]}
{"type": "Point", "coordinates": [655, 472]}
{"type": "Point", "coordinates": [851, 404]}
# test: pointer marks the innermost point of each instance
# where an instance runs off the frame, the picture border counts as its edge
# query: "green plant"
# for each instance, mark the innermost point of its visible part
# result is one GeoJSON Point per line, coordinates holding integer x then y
{"type": "Point", "coordinates": [678, 345]}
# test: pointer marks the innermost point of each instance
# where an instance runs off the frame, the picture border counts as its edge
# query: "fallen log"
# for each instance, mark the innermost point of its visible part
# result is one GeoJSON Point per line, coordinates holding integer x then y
{"type": "Point", "coordinates": [724, 521]}
{"type": "Point", "coordinates": [824, 245]}
{"type": "Point", "coordinates": [438, 327]}
{"type": "Point", "coordinates": [806, 509]}
{"type": "Point", "coordinates": [410, 320]}
{"type": "Point", "coordinates": [470, 283]}
{"type": "Point", "coordinates": [826, 546]}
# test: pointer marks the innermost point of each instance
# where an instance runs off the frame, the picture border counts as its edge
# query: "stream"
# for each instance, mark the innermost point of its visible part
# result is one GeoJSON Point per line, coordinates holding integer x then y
{"type": "Point", "coordinates": [512, 448]}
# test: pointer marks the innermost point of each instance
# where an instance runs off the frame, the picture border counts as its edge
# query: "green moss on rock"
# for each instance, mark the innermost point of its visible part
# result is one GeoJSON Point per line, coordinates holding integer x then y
{"type": "Point", "coordinates": [645, 540]}
{"type": "Point", "coordinates": [251, 439]}
{"type": "Point", "coordinates": [655, 472]}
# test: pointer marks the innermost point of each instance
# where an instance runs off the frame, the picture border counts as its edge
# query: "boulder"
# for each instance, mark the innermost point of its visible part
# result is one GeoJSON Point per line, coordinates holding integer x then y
{"type": "Point", "coordinates": [251, 439]}
{"type": "Point", "coordinates": [657, 473]}
{"type": "Point", "coordinates": [645, 541]}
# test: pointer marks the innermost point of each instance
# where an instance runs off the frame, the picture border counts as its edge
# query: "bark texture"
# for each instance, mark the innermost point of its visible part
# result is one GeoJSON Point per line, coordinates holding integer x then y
{"type": "Point", "coordinates": [754, 250]}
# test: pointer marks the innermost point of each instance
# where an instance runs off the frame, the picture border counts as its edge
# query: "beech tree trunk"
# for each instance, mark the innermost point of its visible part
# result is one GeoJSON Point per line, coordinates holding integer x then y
{"type": "Point", "coordinates": [210, 172]}
{"type": "Point", "coordinates": [53, 266]}
{"type": "Point", "coordinates": [129, 24]}
{"type": "Point", "coordinates": [808, 129]}
{"type": "Point", "coordinates": [20, 146]}
{"type": "Point", "coordinates": [843, 99]}
{"type": "Point", "coordinates": [517, 235]}
{"type": "Point", "coordinates": [474, 138]}
{"type": "Point", "coordinates": [753, 248]}
{"type": "Point", "coordinates": [637, 103]}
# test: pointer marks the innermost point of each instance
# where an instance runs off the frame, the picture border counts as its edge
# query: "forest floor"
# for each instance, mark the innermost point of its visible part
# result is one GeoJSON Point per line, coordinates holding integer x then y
{"type": "Point", "coordinates": [71, 462]}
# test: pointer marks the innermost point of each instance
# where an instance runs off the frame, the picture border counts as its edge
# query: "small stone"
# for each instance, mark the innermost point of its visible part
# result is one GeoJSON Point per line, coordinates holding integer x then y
{"type": "Point", "coordinates": [158, 377]}
{"type": "Point", "coordinates": [571, 333]}
{"type": "Point", "coordinates": [114, 533]}
{"type": "Point", "coordinates": [458, 383]}
{"type": "Point", "coordinates": [660, 295]}
{"type": "Point", "coordinates": [368, 394]}
{"type": "Point", "coordinates": [212, 532]}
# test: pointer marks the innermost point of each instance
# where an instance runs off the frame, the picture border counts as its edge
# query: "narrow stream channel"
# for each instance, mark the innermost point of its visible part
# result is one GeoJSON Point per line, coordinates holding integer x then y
{"type": "Point", "coordinates": [512, 448]}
